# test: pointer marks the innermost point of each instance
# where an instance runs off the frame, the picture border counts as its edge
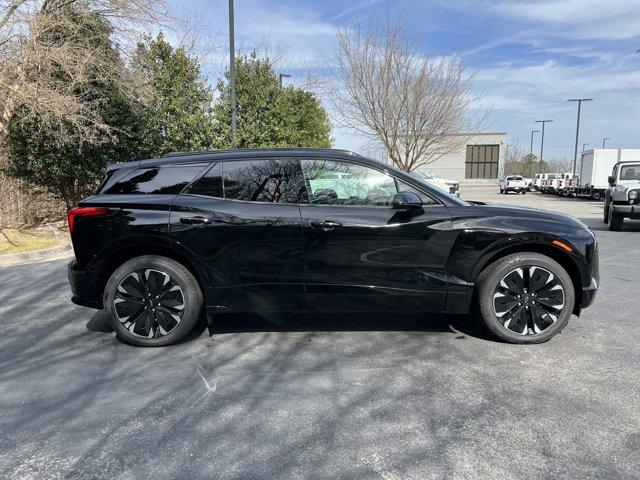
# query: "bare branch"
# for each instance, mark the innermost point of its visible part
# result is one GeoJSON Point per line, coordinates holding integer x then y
{"type": "Point", "coordinates": [416, 107]}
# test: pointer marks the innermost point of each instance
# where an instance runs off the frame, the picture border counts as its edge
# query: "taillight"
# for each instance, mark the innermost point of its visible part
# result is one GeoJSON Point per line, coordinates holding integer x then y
{"type": "Point", "coordinates": [84, 212]}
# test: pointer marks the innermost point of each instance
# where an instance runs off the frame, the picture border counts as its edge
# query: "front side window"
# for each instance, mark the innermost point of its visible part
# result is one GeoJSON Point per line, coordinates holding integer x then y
{"type": "Point", "coordinates": [273, 181]}
{"type": "Point", "coordinates": [169, 179]}
{"type": "Point", "coordinates": [341, 183]}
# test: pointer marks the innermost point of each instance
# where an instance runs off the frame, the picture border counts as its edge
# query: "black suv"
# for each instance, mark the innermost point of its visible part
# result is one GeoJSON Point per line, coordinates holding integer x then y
{"type": "Point", "coordinates": [316, 230]}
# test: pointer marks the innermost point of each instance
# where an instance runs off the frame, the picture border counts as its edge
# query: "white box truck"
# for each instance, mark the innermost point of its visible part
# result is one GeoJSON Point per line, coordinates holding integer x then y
{"type": "Point", "coordinates": [595, 168]}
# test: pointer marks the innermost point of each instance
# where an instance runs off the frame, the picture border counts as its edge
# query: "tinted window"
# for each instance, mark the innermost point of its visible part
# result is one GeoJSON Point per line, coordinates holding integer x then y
{"type": "Point", "coordinates": [274, 181]}
{"type": "Point", "coordinates": [342, 183]}
{"type": "Point", "coordinates": [426, 199]}
{"type": "Point", "coordinates": [168, 179]}
{"type": "Point", "coordinates": [210, 184]}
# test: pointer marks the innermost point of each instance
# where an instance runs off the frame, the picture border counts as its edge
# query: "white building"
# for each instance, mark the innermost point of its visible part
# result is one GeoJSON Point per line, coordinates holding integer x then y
{"type": "Point", "coordinates": [479, 159]}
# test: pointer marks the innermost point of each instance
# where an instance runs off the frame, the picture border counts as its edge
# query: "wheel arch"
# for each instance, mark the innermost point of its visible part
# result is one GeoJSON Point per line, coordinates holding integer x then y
{"type": "Point", "coordinates": [563, 258]}
{"type": "Point", "coordinates": [125, 253]}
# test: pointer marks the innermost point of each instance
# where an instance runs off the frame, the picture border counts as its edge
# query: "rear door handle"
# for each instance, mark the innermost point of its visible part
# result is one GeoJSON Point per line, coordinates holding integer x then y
{"type": "Point", "coordinates": [195, 220]}
{"type": "Point", "coordinates": [326, 225]}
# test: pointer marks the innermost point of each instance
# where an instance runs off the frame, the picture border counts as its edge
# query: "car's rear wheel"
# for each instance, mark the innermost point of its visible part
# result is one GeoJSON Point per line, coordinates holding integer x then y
{"type": "Point", "coordinates": [525, 298]}
{"type": "Point", "coordinates": [152, 301]}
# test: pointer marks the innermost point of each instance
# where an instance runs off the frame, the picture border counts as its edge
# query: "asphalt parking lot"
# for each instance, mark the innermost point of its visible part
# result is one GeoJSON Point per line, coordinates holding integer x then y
{"type": "Point", "coordinates": [350, 397]}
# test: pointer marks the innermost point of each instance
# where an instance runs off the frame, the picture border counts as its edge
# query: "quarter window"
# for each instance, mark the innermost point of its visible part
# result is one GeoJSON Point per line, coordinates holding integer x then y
{"type": "Point", "coordinates": [341, 183]}
{"type": "Point", "coordinates": [426, 199]}
{"type": "Point", "coordinates": [168, 180]}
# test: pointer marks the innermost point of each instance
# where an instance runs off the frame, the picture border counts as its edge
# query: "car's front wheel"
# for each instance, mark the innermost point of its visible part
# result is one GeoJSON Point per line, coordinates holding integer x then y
{"type": "Point", "coordinates": [616, 221]}
{"type": "Point", "coordinates": [152, 301]}
{"type": "Point", "coordinates": [525, 298]}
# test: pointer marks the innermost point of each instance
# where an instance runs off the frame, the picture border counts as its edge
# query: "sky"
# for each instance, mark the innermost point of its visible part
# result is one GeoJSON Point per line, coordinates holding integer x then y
{"type": "Point", "coordinates": [529, 57]}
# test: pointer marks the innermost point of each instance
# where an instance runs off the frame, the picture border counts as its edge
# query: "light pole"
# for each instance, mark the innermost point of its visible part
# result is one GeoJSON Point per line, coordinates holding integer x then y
{"type": "Point", "coordinates": [543, 122]}
{"type": "Point", "coordinates": [575, 152]}
{"type": "Point", "coordinates": [531, 152]}
{"type": "Point", "coordinates": [283, 75]}
{"type": "Point", "coordinates": [604, 141]}
{"type": "Point", "coordinates": [232, 72]}
{"type": "Point", "coordinates": [584, 145]}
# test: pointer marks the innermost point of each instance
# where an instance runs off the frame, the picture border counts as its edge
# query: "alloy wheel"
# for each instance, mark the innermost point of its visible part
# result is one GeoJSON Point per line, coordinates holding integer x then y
{"type": "Point", "coordinates": [149, 303]}
{"type": "Point", "coordinates": [528, 300]}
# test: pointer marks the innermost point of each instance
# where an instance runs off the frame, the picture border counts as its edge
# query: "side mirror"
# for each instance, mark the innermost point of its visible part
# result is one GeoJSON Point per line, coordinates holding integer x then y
{"type": "Point", "coordinates": [612, 180]}
{"type": "Point", "coordinates": [406, 201]}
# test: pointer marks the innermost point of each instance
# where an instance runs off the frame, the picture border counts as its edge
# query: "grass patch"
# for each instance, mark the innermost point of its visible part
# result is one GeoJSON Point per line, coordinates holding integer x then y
{"type": "Point", "coordinates": [18, 240]}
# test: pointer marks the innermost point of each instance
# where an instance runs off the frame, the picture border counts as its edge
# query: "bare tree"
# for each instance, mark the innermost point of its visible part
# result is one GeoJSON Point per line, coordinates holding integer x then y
{"type": "Point", "coordinates": [42, 73]}
{"type": "Point", "coordinates": [561, 165]}
{"type": "Point", "coordinates": [417, 107]}
{"type": "Point", "coordinates": [514, 156]}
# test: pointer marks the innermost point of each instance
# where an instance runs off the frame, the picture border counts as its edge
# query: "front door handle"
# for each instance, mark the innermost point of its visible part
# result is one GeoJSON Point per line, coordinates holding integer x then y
{"type": "Point", "coordinates": [326, 225]}
{"type": "Point", "coordinates": [195, 220]}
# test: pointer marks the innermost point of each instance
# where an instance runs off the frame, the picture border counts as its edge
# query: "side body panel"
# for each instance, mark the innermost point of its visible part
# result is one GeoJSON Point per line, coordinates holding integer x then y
{"type": "Point", "coordinates": [378, 259]}
{"type": "Point", "coordinates": [253, 251]}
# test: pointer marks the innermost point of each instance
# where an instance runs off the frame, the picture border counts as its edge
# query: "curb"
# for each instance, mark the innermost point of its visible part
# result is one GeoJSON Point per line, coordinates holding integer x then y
{"type": "Point", "coordinates": [11, 259]}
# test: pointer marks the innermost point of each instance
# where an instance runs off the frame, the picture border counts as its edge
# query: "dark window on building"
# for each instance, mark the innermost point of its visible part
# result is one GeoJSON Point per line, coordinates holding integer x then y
{"type": "Point", "coordinates": [167, 179]}
{"type": "Point", "coordinates": [273, 181]}
{"type": "Point", "coordinates": [210, 184]}
{"type": "Point", "coordinates": [482, 161]}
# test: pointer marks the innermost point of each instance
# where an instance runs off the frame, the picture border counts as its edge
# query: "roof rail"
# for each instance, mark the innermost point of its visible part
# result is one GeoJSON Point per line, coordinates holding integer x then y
{"type": "Point", "coordinates": [281, 149]}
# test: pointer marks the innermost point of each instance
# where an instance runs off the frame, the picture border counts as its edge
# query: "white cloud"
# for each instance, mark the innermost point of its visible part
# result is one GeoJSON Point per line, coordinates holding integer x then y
{"type": "Point", "coordinates": [579, 19]}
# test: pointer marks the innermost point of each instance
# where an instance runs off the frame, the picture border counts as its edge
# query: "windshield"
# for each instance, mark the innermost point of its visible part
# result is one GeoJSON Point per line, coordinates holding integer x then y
{"type": "Point", "coordinates": [630, 172]}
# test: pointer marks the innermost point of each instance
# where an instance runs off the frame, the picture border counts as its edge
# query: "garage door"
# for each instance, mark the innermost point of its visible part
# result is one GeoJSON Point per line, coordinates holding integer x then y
{"type": "Point", "coordinates": [482, 161]}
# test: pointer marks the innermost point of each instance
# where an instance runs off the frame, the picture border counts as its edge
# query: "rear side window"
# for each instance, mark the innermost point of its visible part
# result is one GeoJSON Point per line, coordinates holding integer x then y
{"type": "Point", "coordinates": [273, 181]}
{"type": "Point", "coordinates": [169, 179]}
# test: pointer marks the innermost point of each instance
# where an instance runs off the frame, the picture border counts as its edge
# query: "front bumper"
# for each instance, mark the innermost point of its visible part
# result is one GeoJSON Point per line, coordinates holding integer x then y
{"type": "Point", "coordinates": [83, 286]}
{"type": "Point", "coordinates": [629, 211]}
{"type": "Point", "coordinates": [589, 294]}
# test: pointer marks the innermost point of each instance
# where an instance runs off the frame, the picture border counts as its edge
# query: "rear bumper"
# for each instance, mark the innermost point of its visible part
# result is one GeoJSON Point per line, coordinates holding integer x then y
{"type": "Point", "coordinates": [83, 286]}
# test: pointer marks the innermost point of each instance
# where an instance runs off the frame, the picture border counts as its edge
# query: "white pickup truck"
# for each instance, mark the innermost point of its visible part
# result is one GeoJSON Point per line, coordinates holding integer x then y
{"type": "Point", "coordinates": [513, 183]}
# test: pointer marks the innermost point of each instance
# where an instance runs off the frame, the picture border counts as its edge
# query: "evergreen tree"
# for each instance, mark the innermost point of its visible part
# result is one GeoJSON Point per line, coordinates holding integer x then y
{"type": "Point", "coordinates": [178, 115]}
{"type": "Point", "coordinates": [269, 115]}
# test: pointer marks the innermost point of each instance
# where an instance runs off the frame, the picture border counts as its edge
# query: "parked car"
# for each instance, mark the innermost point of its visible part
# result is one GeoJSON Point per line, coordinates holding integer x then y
{"type": "Point", "coordinates": [451, 186]}
{"type": "Point", "coordinates": [316, 230]}
{"type": "Point", "coordinates": [528, 183]}
{"type": "Point", "coordinates": [537, 181]}
{"type": "Point", "coordinates": [562, 183]}
{"type": "Point", "coordinates": [548, 185]}
{"type": "Point", "coordinates": [513, 183]}
{"type": "Point", "coordinates": [622, 198]}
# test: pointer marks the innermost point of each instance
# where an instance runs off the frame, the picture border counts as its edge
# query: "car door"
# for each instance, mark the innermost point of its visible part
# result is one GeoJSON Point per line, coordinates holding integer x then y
{"type": "Point", "coordinates": [363, 255]}
{"type": "Point", "coordinates": [242, 219]}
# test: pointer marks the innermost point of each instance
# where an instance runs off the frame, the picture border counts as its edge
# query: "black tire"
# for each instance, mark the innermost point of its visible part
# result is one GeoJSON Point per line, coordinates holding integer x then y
{"type": "Point", "coordinates": [187, 300]}
{"type": "Point", "coordinates": [489, 283]}
{"type": "Point", "coordinates": [524, 192]}
{"type": "Point", "coordinates": [606, 212]}
{"type": "Point", "coordinates": [616, 221]}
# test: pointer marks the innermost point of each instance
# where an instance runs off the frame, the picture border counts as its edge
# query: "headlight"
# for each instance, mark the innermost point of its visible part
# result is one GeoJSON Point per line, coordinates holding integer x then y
{"type": "Point", "coordinates": [633, 194]}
